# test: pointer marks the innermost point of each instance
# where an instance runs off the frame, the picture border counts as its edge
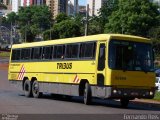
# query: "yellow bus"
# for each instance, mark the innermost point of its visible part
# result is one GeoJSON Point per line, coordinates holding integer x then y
{"type": "Point", "coordinates": [111, 66]}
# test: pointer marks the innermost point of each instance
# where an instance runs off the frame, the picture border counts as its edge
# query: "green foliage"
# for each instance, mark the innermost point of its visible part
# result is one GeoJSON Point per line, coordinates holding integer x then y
{"type": "Point", "coordinates": [157, 96]}
{"type": "Point", "coordinates": [105, 12]}
{"type": "Point", "coordinates": [61, 17]}
{"type": "Point", "coordinates": [94, 26]}
{"type": "Point", "coordinates": [11, 17]}
{"type": "Point", "coordinates": [64, 27]}
{"type": "Point", "coordinates": [154, 33]}
{"type": "Point", "coordinates": [4, 54]}
{"type": "Point", "coordinates": [50, 34]}
{"type": "Point", "coordinates": [79, 20]}
{"type": "Point", "coordinates": [135, 17]}
{"type": "Point", "coordinates": [4, 20]}
{"type": "Point", "coordinates": [67, 28]}
{"type": "Point", "coordinates": [33, 21]}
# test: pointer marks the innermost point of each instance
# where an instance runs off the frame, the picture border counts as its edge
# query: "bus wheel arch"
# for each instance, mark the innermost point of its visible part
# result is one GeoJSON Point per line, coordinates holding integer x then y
{"type": "Point", "coordinates": [33, 79]}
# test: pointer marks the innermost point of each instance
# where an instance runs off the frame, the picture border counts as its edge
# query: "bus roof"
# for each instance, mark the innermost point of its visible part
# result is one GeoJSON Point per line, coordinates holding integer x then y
{"type": "Point", "coordinates": [99, 37]}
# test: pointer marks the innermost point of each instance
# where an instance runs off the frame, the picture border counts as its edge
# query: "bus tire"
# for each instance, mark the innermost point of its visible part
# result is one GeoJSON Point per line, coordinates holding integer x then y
{"type": "Point", "coordinates": [124, 102]}
{"type": "Point", "coordinates": [87, 94]}
{"type": "Point", "coordinates": [35, 90]}
{"type": "Point", "coordinates": [27, 88]}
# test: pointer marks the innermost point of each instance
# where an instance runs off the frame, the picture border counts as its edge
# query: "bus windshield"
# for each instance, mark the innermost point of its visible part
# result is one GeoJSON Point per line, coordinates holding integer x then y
{"type": "Point", "coordinates": [130, 56]}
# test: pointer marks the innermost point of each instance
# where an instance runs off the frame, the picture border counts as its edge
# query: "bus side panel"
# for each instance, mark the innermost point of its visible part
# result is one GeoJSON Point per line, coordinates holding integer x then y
{"type": "Point", "coordinates": [54, 78]}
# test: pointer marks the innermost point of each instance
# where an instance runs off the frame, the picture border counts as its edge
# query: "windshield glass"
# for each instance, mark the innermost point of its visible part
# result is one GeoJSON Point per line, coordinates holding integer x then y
{"type": "Point", "coordinates": [132, 56]}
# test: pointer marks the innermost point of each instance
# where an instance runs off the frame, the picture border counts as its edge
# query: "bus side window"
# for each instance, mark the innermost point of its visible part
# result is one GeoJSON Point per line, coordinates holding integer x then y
{"type": "Point", "coordinates": [26, 54]}
{"type": "Point", "coordinates": [59, 51]}
{"type": "Point", "coordinates": [72, 51]}
{"type": "Point", "coordinates": [87, 50]}
{"type": "Point", "coordinates": [16, 54]}
{"type": "Point", "coordinates": [101, 58]}
{"type": "Point", "coordinates": [47, 52]}
{"type": "Point", "coordinates": [36, 53]}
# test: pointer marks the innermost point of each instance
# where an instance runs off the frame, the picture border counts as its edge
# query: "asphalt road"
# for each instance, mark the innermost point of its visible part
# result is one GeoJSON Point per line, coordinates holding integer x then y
{"type": "Point", "coordinates": [4, 60]}
{"type": "Point", "coordinates": [14, 104]}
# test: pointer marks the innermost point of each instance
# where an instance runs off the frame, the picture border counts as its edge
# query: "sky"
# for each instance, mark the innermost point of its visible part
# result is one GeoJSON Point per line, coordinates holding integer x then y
{"type": "Point", "coordinates": [82, 2]}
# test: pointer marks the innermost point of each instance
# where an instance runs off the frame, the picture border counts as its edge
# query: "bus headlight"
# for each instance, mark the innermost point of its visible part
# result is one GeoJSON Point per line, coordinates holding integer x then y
{"type": "Point", "coordinates": [150, 93]}
{"type": "Point", "coordinates": [114, 91]}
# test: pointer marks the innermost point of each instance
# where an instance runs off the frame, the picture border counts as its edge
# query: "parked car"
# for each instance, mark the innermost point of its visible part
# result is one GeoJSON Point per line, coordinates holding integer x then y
{"type": "Point", "coordinates": [157, 84]}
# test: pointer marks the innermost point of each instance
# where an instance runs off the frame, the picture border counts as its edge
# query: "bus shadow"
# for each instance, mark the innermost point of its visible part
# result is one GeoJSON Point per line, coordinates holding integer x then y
{"type": "Point", "coordinates": [101, 102]}
{"type": "Point", "coordinates": [132, 105]}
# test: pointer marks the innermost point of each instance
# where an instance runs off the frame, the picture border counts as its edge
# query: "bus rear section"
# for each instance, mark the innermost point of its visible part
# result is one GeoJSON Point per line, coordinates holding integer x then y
{"type": "Point", "coordinates": [130, 69]}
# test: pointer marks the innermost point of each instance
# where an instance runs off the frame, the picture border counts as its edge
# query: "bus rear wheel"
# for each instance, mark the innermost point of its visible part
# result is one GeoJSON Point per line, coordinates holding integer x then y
{"type": "Point", "coordinates": [35, 90]}
{"type": "Point", "coordinates": [124, 102]}
{"type": "Point", "coordinates": [27, 88]}
{"type": "Point", "coordinates": [87, 94]}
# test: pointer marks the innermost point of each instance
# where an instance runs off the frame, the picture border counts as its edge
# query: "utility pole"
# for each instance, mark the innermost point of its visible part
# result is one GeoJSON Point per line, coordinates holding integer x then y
{"type": "Point", "coordinates": [86, 21]}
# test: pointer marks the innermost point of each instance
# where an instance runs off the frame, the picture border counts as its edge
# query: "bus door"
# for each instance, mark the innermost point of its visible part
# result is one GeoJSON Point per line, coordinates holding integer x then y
{"type": "Point", "coordinates": [101, 71]}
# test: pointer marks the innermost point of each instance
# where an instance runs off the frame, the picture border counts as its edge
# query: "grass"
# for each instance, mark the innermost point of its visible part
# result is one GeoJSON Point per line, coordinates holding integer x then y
{"type": "Point", "coordinates": [157, 96]}
{"type": "Point", "coordinates": [4, 54]}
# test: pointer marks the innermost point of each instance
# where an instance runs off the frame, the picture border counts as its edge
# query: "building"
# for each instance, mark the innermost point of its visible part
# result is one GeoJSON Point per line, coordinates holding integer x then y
{"type": "Point", "coordinates": [37, 2]}
{"type": "Point", "coordinates": [8, 3]}
{"type": "Point", "coordinates": [156, 1]}
{"type": "Point", "coordinates": [19, 3]}
{"type": "Point", "coordinates": [26, 3]}
{"type": "Point", "coordinates": [73, 7]}
{"type": "Point", "coordinates": [82, 10]}
{"type": "Point", "coordinates": [57, 6]}
{"type": "Point", "coordinates": [34, 2]}
{"type": "Point", "coordinates": [94, 6]}
{"type": "Point", "coordinates": [16, 4]}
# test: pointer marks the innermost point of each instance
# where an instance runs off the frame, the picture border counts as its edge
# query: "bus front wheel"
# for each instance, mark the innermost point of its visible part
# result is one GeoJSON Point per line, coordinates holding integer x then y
{"type": "Point", "coordinates": [124, 102]}
{"type": "Point", "coordinates": [27, 88]}
{"type": "Point", "coordinates": [87, 94]}
{"type": "Point", "coordinates": [35, 90]}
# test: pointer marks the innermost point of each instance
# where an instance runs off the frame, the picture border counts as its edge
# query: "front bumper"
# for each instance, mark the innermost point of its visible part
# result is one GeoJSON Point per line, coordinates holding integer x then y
{"type": "Point", "coordinates": [132, 93]}
{"type": "Point", "coordinates": [117, 93]}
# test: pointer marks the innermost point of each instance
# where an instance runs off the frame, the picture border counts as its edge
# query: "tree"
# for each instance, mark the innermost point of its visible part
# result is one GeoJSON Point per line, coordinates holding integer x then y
{"type": "Point", "coordinates": [135, 17]}
{"type": "Point", "coordinates": [79, 20]}
{"type": "Point", "coordinates": [51, 34]}
{"type": "Point", "coordinates": [67, 28]}
{"type": "Point", "coordinates": [154, 34]}
{"type": "Point", "coordinates": [61, 17]}
{"type": "Point", "coordinates": [94, 26]}
{"type": "Point", "coordinates": [11, 17]}
{"type": "Point", "coordinates": [106, 11]}
{"type": "Point", "coordinates": [33, 21]}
